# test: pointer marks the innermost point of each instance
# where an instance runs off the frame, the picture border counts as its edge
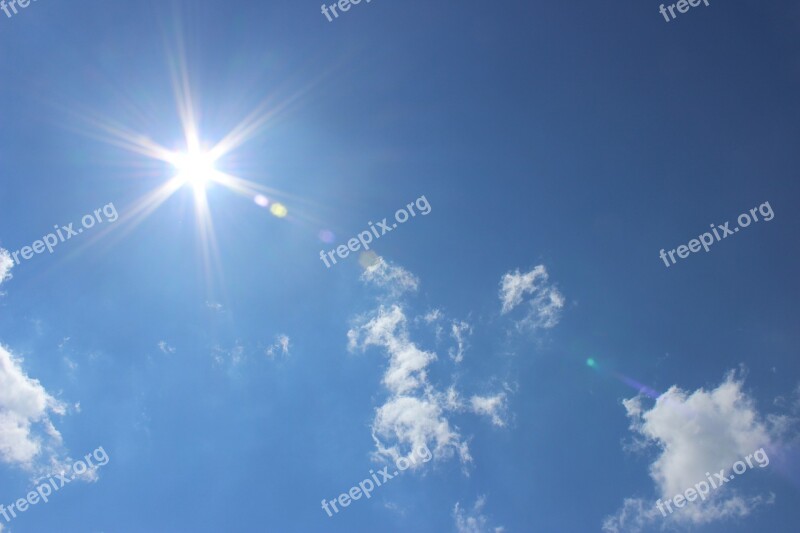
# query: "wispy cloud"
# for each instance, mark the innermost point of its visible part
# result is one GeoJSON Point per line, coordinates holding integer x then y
{"type": "Point", "coordinates": [473, 520]}
{"type": "Point", "coordinates": [545, 302]}
{"type": "Point", "coordinates": [492, 406]}
{"type": "Point", "coordinates": [394, 279]}
{"type": "Point", "coordinates": [214, 306]}
{"type": "Point", "coordinates": [459, 331]}
{"type": "Point", "coordinates": [279, 348]}
{"type": "Point", "coordinates": [235, 355]}
{"type": "Point", "coordinates": [165, 348]}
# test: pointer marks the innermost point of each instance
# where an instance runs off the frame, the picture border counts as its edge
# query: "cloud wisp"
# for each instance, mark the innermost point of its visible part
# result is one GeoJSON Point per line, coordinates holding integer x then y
{"type": "Point", "coordinates": [544, 301]}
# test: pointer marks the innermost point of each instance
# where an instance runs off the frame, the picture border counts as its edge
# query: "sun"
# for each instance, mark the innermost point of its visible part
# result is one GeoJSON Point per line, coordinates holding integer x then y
{"type": "Point", "coordinates": [195, 168]}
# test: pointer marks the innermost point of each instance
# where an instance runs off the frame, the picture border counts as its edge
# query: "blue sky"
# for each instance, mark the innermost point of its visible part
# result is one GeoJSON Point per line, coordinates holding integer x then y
{"type": "Point", "coordinates": [524, 330]}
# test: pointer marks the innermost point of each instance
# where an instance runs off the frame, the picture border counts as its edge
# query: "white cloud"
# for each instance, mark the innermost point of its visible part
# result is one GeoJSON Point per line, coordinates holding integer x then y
{"type": "Point", "coordinates": [26, 432]}
{"type": "Point", "coordinates": [458, 331]}
{"type": "Point", "coordinates": [395, 508]}
{"type": "Point", "coordinates": [514, 285]}
{"type": "Point", "coordinates": [72, 365]}
{"type": "Point", "coordinates": [6, 263]}
{"type": "Point", "coordinates": [214, 306]}
{"type": "Point", "coordinates": [433, 316]}
{"type": "Point", "coordinates": [407, 363]}
{"type": "Point", "coordinates": [28, 438]}
{"type": "Point", "coordinates": [634, 517]}
{"type": "Point", "coordinates": [705, 431]}
{"type": "Point", "coordinates": [410, 422]}
{"type": "Point", "coordinates": [279, 348]}
{"type": "Point", "coordinates": [235, 354]}
{"type": "Point", "coordinates": [545, 310]}
{"type": "Point", "coordinates": [491, 406]}
{"type": "Point", "coordinates": [395, 279]}
{"type": "Point", "coordinates": [473, 521]}
{"type": "Point", "coordinates": [166, 348]}
{"type": "Point", "coordinates": [415, 412]}
{"type": "Point", "coordinates": [545, 302]}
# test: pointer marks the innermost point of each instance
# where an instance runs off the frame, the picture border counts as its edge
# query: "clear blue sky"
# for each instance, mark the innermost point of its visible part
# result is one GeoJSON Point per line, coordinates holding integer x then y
{"type": "Point", "coordinates": [235, 381]}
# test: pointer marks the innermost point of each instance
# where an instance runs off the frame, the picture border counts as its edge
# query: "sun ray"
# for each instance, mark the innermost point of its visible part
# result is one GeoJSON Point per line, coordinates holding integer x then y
{"type": "Point", "coordinates": [181, 88]}
{"type": "Point", "coordinates": [134, 215]}
{"type": "Point", "coordinates": [207, 239]}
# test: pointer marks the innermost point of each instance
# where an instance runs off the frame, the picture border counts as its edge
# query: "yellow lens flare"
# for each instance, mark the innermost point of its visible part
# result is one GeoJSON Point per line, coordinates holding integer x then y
{"type": "Point", "coordinates": [279, 210]}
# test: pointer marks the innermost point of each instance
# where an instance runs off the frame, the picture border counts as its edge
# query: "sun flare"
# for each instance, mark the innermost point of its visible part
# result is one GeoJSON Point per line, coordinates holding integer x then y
{"type": "Point", "coordinates": [195, 168]}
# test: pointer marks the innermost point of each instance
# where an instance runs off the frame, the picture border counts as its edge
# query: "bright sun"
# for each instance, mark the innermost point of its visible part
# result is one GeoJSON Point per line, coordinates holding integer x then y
{"type": "Point", "coordinates": [195, 168]}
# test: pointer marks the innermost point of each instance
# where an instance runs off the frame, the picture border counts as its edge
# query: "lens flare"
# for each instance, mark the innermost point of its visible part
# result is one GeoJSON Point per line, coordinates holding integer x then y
{"type": "Point", "coordinates": [279, 210]}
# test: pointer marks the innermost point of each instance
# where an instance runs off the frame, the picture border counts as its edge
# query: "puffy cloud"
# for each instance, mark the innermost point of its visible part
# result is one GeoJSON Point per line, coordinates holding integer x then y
{"type": "Point", "coordinates": [26, 432]}
{"type": "Point", "coordinates": [545, 301]}
{"type": "Point", "coordinates": [279, 348]}
{"type": "Point", "coordinates": [28, 438]}
{"type": "Point", "coordinates": [705, 431]}
{"type": "Point", "coordinates": [407, 363]}
{"type": "Point", "coordinates": [410, 422]}
{"type": "Point", "coordinates": [491, 406]}
{"type": "Point", "coordinates": [473, 521]}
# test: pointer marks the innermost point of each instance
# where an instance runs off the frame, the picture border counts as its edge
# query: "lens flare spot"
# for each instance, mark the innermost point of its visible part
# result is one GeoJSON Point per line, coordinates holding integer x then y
{"type": "Point", "coordinates": [279, 210]}
{"type": "Point", "coordinates": [327, 236]}
{"type": "Point", "coordinates": [261, 200]}
{"type": "Point", "coordinates": [591, 363]}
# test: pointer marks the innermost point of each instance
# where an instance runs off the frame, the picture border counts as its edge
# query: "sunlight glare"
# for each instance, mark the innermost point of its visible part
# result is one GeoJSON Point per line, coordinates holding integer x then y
{"type": "Point", "coordinates": [195, 168]}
